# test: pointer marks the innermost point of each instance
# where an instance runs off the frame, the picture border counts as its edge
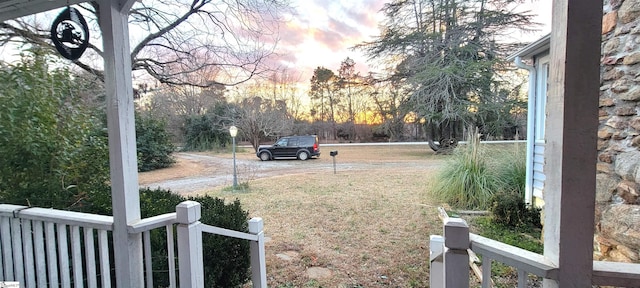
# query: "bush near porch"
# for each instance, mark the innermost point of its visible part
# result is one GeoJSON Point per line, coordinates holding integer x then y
{"type": "Point", "coordinates": [226, 260]}
{"type": "Point", "coordinates": [53, 138]}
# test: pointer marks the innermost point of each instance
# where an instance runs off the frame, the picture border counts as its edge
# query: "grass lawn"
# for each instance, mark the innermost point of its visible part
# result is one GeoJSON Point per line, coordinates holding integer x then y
{"type": "Point", "coordinates": [366, 226]}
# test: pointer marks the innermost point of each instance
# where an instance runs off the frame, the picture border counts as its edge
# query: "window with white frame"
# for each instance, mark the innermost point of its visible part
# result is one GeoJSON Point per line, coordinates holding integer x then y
{"type": "Point", "coordinates": [542, 79]}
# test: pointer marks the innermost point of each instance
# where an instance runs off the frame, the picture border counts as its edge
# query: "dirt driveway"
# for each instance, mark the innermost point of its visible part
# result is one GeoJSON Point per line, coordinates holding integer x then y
{"type": "Point", "coordinates": [199, 172]}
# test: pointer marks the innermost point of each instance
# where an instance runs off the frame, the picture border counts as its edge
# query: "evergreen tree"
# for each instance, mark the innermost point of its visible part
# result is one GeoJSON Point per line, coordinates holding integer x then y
{"type": "Point", "coordinates": [449, 51]}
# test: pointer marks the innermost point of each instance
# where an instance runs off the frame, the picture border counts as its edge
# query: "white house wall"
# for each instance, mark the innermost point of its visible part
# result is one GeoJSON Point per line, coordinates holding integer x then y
{"type": "Point", "coordinates": [540, 102]}
{"type": "Point", "coordinates": [538, 52]}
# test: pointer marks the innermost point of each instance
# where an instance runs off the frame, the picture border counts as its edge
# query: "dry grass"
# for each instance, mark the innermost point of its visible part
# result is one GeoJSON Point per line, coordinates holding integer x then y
{"type": "Point", "coordinates": [368, 226]}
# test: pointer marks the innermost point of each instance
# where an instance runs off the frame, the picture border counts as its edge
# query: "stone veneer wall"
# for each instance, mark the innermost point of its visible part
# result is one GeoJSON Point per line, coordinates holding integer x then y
{"type": "Point", "coordinates": [618, 177]}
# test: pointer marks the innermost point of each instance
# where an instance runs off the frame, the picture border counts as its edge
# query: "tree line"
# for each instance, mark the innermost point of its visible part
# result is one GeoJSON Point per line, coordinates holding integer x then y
{"type": "Point", "coordinates": [444, 71]}
{"type": "Point", "coordinates": [441, 70]}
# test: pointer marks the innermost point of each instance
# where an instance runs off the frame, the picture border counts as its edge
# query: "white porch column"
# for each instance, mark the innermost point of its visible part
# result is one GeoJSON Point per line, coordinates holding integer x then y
{"type": "Point", "coordinates": [122, 141]}
{"type": "Point", "coordinates": [570, 155]}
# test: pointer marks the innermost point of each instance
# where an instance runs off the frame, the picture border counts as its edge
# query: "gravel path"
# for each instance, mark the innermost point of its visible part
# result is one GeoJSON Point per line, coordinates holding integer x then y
{"type": "Point", "coordinates": [195, 173]}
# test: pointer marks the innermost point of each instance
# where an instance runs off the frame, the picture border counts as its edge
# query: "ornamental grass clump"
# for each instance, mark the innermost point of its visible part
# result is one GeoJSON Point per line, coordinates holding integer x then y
{"type": "Point", "coordinates": [466, 180]}
{"type": "Point", "coordinates": [511, 168]}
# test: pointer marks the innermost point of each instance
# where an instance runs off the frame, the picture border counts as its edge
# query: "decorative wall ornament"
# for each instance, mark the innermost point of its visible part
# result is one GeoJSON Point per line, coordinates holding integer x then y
{"type": "Point", "coordinates": [70, 33]}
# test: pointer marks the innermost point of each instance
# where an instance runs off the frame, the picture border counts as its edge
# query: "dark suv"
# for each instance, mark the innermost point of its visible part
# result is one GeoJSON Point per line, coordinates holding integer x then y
{"type": "Point", "coordinates": [301, 147]}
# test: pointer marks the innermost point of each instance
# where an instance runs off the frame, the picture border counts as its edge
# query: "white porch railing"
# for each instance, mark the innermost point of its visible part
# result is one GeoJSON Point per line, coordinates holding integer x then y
{"type": "Point", "coordinates": [44, 247]}
{"type": "Point", "coordinates": [53, 248]}
{"type": "Point", "coordinates": [450, 260]}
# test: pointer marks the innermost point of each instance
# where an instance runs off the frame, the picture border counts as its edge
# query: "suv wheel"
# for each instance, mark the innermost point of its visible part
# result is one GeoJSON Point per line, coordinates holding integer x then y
{"type": "Point", "coordinates": [264, 156]}
{"type": "Point", "coordinates": [303, 155]}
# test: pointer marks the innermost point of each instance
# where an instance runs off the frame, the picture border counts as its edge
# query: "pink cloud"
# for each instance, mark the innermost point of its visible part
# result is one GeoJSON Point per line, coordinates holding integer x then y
{"type": "Point", "coordinates": [322, 32]}
{"type": "Point", "coordinates": [331, 39]}
{"type": "Point", "coordinates": [343, 28]}
{"type": "Point", "coordinates": [365, 14]}
{"type": "Point", "coordinates": [292, 34]}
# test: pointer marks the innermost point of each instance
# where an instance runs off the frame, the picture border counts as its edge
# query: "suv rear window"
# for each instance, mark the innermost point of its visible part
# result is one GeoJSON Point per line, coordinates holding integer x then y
{"type": "Point", "coordinates": [307, 141]}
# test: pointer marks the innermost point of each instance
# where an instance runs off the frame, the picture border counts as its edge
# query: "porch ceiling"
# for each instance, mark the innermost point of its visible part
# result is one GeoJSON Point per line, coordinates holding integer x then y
{"type": "Point", "coordinates": [11, 9]}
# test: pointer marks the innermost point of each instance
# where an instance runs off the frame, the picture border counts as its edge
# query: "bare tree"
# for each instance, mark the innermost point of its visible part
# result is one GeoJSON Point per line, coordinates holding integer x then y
{"type": "Point", "coordinates": [229, 40]}
{"type": "Point", "coordinates": [354, 91]}
{"type": "Point", "coordinates": [324, 100]}
{"type": "Point", "coordinates": [260, 118]}
{"type": "Point", "coordinates": [390, 100]}
{"type": "Point", "coordinates": [347, 82]}
{"type": "Point", "coordinates": [283, 87]}
{"type": "Point", "coordinates": [185, 100]}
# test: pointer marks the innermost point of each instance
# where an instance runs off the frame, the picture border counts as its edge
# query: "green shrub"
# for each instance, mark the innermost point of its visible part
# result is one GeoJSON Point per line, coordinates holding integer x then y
{"type": "Point", "coordinates": [466, 181]}
{"type": "Point", "coordinates": [507, 205]}
{"type": "Point", "coordinates": [509, 209]}
{"type": "Point", "coordinates": [153, 143]}
{"type": "Point", "coordinates": [205, 132]}
{"type": "Point", "coordinates": [226, 260]}
{"type": "Point", "coordinates": [91, 171]}
{"type": "Point", "coordinates": [53, 151]}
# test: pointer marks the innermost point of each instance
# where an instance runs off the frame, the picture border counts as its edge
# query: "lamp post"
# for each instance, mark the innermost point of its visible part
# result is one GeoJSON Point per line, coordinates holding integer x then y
{"type": "Point", "coordinates": [234, 131]}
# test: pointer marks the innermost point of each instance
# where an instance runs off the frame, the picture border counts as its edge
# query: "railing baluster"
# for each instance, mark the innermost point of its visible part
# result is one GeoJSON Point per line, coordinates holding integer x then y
{"type": "Point", "coordinates": [522, 278]}
{"type": "Point", "coordinates": [7, 251]}
{"type": "Point", "coordinates": [2, 236]}
{"type": "Point", "coordinates": [63, 251]}
{"type": "Point", "coordinates": [17, 245]}
{"type": "Point", "coordinates": [105, 268]}
{"type": "Point", "coordinates": [486, 271]}
{"type": "Point", "coordinates": [52, 258]}
{"type": "Point", "coordinates": [76, 257]}
{"type": "Point", "coordinates": [27, 248]}
{"type": "Point", "coordinates": [148, 265]}
{"type": "Point", "coordinates": [171, 257]}
{"type": "Point", "coordinates": [41, 259]}
{"type": "Point", "coordinates": [90, 257]}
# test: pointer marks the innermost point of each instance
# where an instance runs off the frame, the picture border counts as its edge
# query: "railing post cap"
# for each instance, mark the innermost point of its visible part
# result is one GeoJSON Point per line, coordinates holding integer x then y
{"type": "Point", "coordinates": [455, 222]}
{"type": "Point", "coordinates": [255, 225]}
{"type": "Point", "coordinates": [188, 212]}
{"type": "Point", "coordinates": [456, 234]}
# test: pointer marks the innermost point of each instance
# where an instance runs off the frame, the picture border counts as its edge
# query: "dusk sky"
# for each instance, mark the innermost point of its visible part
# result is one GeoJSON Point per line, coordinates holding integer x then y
{"type": "Point", "coordinates": [324, 30]}
{"type": "Point", "coordinates": [321, 33]}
